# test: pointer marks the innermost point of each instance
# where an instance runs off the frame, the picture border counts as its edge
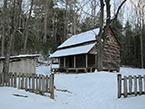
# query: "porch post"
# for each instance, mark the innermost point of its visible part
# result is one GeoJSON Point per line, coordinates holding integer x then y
{"type": "Point", "coordinates": [74, 61]}
{"type": "Point", "coordinates": [51, 65]}
{"type": "Point", "coordinates": [86, 60]}
{"type": "Point", "coordinates": [59, 62]}
{"type": "Point", "coordinates": [64, 62]}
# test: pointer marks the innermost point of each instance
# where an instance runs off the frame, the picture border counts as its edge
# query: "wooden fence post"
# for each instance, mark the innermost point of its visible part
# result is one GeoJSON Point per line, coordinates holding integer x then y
{"type": "Point", "coordinates": [15, 80]}
{"type": "Point", "coordinates": [135, 85]}
{"type": "Point", "coordinates": [140, 84]}
{"type": "Point", "coordinates": [29, 82]}
{"type": "Point", "coordinates": [43, 82]}
{"type": "Point", "coordinates": [26, 81]}
{"type": "Point", "coordinates": [52, 86]}
{"type": "Point", "coordinates": [144, 83]}
{"type": "Point", "coordinates": [11, 76]}
{"type": "Point", "coordinates": [130, 84]}
{"type": "Point", "coordinates": [22, 81]}
{"type": "Point", "coordinates": [119, 85]}
{"type": "Point", "coordinates": [50, 83]}
{"type": "Point", "coordinates": [46, 83]}
{"type": "Point", "coordinates": [125, 86]}
{"type": "Point", "coordinates": [33, 82]}
{"type": "Point", "coordinates": [36, 84]}
{"type": "Point", "coordinates": [19, 81]}
{"type": "Point", "coordinates": [0, 79]}
{"type": "Point", "coordinates": [39, 83]}
{"type": "Point", "coordinates": [3, 78]}
{"type": "Point", "coordinates": [6, 79]}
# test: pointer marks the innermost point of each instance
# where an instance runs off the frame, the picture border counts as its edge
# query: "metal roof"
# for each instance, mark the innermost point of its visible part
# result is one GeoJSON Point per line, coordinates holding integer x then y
{"type": "Point", "coordinates": [23, 56]}
{"type": "Point", "coordinates": [73, 51]}
{"type": "Point", "coordinates": [80, 38]}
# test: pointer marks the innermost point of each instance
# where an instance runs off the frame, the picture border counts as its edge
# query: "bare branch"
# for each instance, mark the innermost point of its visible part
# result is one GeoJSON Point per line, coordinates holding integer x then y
{"type": "Point", "coordinates": [118, 10]}
{"type": "Point", "coordinates": [89, 13]}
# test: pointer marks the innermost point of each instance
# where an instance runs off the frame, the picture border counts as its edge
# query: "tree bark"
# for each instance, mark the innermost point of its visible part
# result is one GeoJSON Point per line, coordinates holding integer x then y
{"type": "Point", "coordinates": [141, 45]}
{"type": "Point", "coordinates": [18, 13]}
{"type": "Point", "coordinates": [45, 21]}
{"type": "Point", "coordinates": [101, 38]}
{"type": "Point", "coordinates": [74, 18]}
{"type": "Point", "coordinates": [9, 40]}
{"type": "Point", "coordinates": [4, 14]}
{"type": "Point", "coordinates": [27, 27]}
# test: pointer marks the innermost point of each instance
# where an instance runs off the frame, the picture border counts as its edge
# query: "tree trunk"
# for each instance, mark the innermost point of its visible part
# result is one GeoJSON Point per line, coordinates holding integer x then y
{"type": "Point", "coordinates": [3, 39]}
{"type": "Point", "coordinates": [9, 40]}
{"type": "Point", "coordinates": [4, 14]}
{"type": "Point", "coordinates": [27, 28]}
{"type": "Point", "coordinates": [93, 12]}
{"type": "Point", "coordinates": [74, 18]}
{"type": "Point", "coordinates": [45, 21]}
{"type": "Point", "coordinates": [100, 49]}
{"type": "Point", "coordinates": [13, 46]}
{"type": "Point", "coordinates": [141, 46]}
{"type": "Point", "coordinates": [104, 30]}
{"type": "Point", "coordinates": [66, 21]}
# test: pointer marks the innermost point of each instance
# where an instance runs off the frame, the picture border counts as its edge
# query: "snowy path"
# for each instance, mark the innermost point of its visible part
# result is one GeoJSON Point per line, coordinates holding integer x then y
{"type": "Point", "coordinates": [88, 91]}
{"type": "Point", "coordinates": [94, 91]}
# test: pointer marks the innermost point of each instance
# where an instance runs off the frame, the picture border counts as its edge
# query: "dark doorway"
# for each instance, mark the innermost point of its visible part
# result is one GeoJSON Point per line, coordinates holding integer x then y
{"type": "Point", "coordinates": [71, 61]}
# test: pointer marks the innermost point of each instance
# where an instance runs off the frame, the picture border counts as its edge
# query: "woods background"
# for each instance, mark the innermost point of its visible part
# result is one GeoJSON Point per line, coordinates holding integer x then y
{"type": "Point", "coordinates": [39, 26]}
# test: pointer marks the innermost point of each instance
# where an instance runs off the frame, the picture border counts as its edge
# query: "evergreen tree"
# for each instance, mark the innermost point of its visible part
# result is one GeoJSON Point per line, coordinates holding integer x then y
{"type": "Point", "coordinates": [118, 28]}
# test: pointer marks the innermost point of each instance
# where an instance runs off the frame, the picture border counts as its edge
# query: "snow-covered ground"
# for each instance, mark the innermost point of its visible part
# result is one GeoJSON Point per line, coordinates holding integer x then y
{"type": "Point", "coordinates": [83, 91]}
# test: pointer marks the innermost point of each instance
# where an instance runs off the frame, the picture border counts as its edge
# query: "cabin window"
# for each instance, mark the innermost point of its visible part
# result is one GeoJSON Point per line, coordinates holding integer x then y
{"type": "Point", "coordinates": [108, 37]}
{"type": "Point", "coordinates": [109, 57]}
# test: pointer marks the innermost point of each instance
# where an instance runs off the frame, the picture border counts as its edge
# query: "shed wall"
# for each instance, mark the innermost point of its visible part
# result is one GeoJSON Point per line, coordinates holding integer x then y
{"type": "Point", "coordinates": [22, 65]}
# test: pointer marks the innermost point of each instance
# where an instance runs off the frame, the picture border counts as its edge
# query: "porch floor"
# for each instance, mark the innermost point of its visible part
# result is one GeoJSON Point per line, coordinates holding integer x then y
{"type": "Point", "coordinates": [73, 70]}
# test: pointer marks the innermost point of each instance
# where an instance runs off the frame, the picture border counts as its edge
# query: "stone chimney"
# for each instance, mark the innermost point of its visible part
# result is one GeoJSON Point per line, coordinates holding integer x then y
{"type": "Point", "coordinates": [68, 36]}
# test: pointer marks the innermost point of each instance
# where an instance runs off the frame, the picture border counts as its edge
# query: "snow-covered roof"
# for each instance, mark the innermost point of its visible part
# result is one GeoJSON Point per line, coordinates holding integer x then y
{"type": "Point", "coordinates": [80, 38]}
{"type": "Point", "coordinates": [22, 56]}
{"type": "Point", "coordinates": [73, 51]}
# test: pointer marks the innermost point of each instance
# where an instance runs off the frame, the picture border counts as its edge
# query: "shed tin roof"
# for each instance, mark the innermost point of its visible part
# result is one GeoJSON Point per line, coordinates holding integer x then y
{"type": "Point", "coordinates": [23, 56]}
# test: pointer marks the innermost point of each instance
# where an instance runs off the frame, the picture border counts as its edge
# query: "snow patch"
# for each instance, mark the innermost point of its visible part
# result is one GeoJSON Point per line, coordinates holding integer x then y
{"type": "Point", "coordinates": [96, 90]}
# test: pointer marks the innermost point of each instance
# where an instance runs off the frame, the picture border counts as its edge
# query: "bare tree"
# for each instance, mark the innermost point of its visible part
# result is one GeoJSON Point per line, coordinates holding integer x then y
{"type": "Point", "coordinates": [139, 7]}
{"type": "Point", "coordinates": [13, 24]}
{"type": "Point", "coordinates": [104, 29]}
{"type": "Point", "coordinates": [4, 15]}
{"type": "Point", "coordinates": [18, 11]}
{"type": "Point", "coordinates": [94, 4]}
{"type": "Point", "coordinates": [27, 27]}
{"type": "Point", "coordinates": [74, 18]}
{"type": "Point", "coordinates": [66, 17]}
{"type": "Point", "coordinates": [46, 5]}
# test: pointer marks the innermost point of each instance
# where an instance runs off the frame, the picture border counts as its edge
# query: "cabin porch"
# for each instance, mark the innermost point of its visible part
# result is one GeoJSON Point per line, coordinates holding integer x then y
{"type": "Point", "coordinates": [77, 63]}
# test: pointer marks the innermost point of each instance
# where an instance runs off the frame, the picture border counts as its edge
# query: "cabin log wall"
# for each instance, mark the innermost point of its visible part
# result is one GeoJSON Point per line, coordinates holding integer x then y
{"type": "Point", "coordinates": [111, 58]}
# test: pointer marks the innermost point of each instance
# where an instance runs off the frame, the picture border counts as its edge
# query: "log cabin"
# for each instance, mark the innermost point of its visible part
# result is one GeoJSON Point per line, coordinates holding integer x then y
{"type": "Point", "coordinates": [79, 53]}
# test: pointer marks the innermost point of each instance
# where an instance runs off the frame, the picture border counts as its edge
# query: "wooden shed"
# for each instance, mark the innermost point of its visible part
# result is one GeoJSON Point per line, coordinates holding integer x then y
{"type": "Point", "coordinates": [21, 63]}
{"type": "Point", "coordinates": [79, 52]}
